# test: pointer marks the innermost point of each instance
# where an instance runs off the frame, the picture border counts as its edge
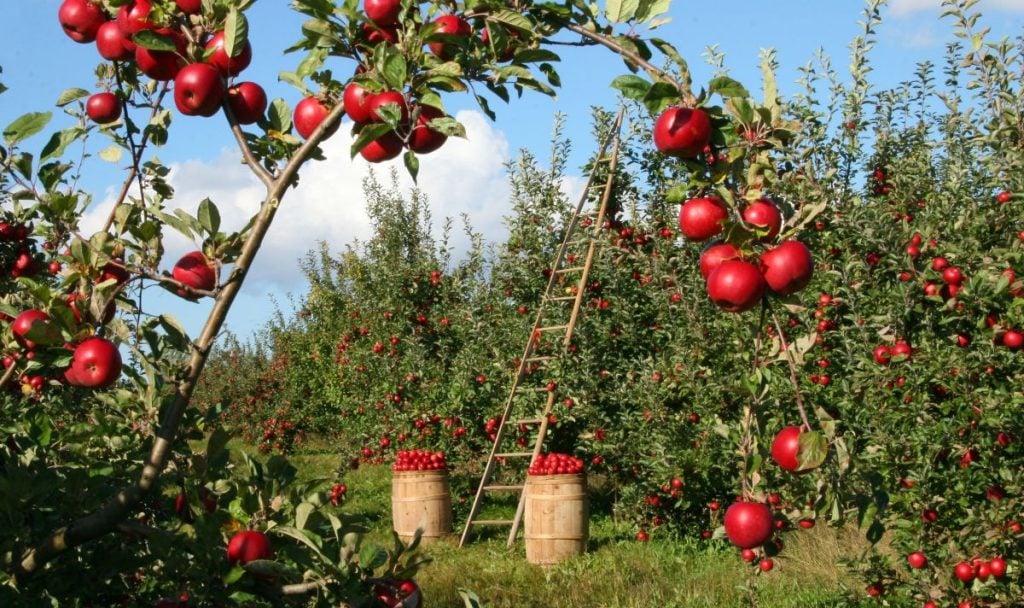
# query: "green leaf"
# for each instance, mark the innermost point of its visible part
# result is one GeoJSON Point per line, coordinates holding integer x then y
{"type": "Point", "coordinates": [394, 70]}
{"type": "Point", "coordinates": [412, 164]}
{"type": "Point", "coordinates": [302, 513]}
{"type": "Point", "coordinates": [176, 334]}
{"type": "Point", "coordinates": [236, 32]}
{"type": "Point", "coordinates": [300, 536]}
{"type": "Point", "coordinates": [633, 87]}
{"type": "Point", "coordinates": [280, 116]}
{"type": "Point", "coordinates": [621, 11]}
{"type": "Point", "coordinates": [535, 55]}
{"type": "Point", "coordinates": [148, 39]}
{"type": "Point", "coordinates": [59, 142]}
{"type": "Point", "coordinates": [209, 216]}
{"type": "Point", "coordinates": [514, 20]}
{"type": "Point", "coordinates": [651, 9]}
{"type": "Point", "coordinates": [112, 153]}
{"type": "Point", "coordinates": [372, 557]}
{"type": "Point", "coordinates": [727, 87]}
{"type": "Point", "coordinates": [26, 126]}
{"type": "Point", "coordinates": [812, 451]}
{"type": "Point", "coordinates": [69, 95]}
{"type": "Point", "coordinates": [368, 133]}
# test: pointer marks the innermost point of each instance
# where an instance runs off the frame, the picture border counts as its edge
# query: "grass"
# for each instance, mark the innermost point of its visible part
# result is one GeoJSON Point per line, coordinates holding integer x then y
{"type": "Point", "coordinates": [616, 572]}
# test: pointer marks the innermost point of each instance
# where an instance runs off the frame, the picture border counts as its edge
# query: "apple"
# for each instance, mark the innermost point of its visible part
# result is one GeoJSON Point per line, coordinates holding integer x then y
{"type": "Point", "coordinates": [195, 271]}
{"type": "Point", "coordinates": [450, 25]}
{"type": "Point", "coordinates": [103, 108]}
{"type": "Point", "coordinates": [24, 322]}
{"type": "Point", "coordinates": [882, 354]}
{"type": "Point", "coordinates": [356, 99]}
{"type": "Point", "coordinates": [736, 286]}
{"type": "Point", "coordinates": [383, 148]}
{"type": "Point", "coordinates": [939, 263]}
{"type": "Point", "coordinates": [901, 351]}
{"type": "Point", "coordinates": [133, 17]}
{"type": "Point", "coordinates": [787, 268]}
{"type": "Point", "coordinates": [96, 363]}
{"type": "Point", "coordinates": [1013, 339]}
{"type": "Point", "coordinates": [964, 572]}
{"type": "Point", "coordinates": [997, 567]}
{"type": "Point", "coordinates": [766, 565]}
{"type": "Point", "coordinates": [198, 90]}
{"type": "Point", "coordinates": [114, 270]}
{"type": "Point", "coordinates": [1004, 197]}
{"type": "Point", "coordinates": [713, 256]}
{"type": "Point", "coordinates": [247, 546]}
{"type": "Point", "coordinates": [248, 102]}
{"type": "Point", "coordinates": [763, 214]}
{"type": "Point", "coordinates": [917, 560]}
{"type": "Point", "coordinates": [375, 35]}
{"type": "Point", "coordinates": [786, 448]}
{"type": "Point", "coordinates": [952, 276]}
{"type": "Point", "coordinates": [190, 7]}
{"type": "Point", "coordinates": [701, 218]}
{"type": "Point", "coordinates": [682, 132]}
{"type": "Point", "coordinates": [218, 56]}
{"type": "Point", "coordinates": [112, 44]}
{"type": "Point", "coordinates": [382, 12]}
{"type": "Point", "coordinates": [309, 113]}
{"type": "Point", "coordinates": [161, 65]}
{"type": "Point", "coordinates": [423, 139]}
{"type": "Point", "coordinates": [398, 594]}
{"type": "Point", "coordinates": [748, 555]}
{"type": "Point", "coordinates": [376, 101]}
{"type": "Point", "coordinates": [748, 524]}
{"type": "Point", "coordinates": [81, 19]}
{"type": "Point", "coordinates": [642, 536]}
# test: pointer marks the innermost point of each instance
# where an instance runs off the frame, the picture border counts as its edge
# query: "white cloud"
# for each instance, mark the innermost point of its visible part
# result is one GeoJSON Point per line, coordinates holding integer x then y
{"type": "Point", "coordinates": [902, 8]}
{"type": "Point", "coordinates": [465, 176]}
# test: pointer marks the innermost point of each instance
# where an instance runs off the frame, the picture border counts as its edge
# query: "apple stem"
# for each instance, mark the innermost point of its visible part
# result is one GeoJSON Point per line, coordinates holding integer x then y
{"type": "Point", "coordinates": [792, 372]}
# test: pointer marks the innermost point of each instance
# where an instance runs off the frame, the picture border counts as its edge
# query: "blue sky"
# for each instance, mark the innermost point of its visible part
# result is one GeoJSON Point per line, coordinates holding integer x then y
{"type": "Point", "coordinates": [464, 177]}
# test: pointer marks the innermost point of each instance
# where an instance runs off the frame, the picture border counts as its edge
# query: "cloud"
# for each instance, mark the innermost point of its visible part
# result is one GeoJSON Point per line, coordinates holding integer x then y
{"type": "Point", "coordinates": [466, 176]}
{"type": "Point", "coordinates": [901, 8]}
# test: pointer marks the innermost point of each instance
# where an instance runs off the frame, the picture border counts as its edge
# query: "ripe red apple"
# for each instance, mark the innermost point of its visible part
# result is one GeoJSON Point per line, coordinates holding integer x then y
{"type": "Point", "coordinates": [382, 12]}
{"type": "Point", "coordinates": [198, 90]}
{"type": "Point", "coordinates": [1004, 197]}
{"type": "Point", "coordinates": [713, 256]}
{"type": "Point", "coordinates": [190, 7]}
{"type": "Point", "coordinates": [682, 132]}
{"type": "Point", "coordinates": [161, 65]}
{"type": "Point", "coordinates": [112, 44]}
{"type": "Point", "coordinates": [356, 100]}
{"type": "Point", "coordinates": [901, 351]}
{"type": "Point", "coordinates": [764, 215]}
{"type": "Point", "coordinates": [642, 536]}
{"type": "Point", "coordinates": [451, 25]}
{"type": "Point", "coordinates": [423, 139]}
{"type": "Point", "coordinates": [103, 108]}
{"type": "Point", "coordinates": [247, 546]}
{"type": "Point", "coordinates": [939, 263]}
{"type": "Point", "coordinates": [766, 565]}
{"type": "Point", "coordinates": [96, 363]}
{"type": "Point", "coordinates": [736, 286]}
{"type": "Point", "coordinates": [375, 35]}
{"type": "Point", "coordinates": [229, 66]}
{"type": "Point", "coordinates": [787, 268]}
{"type": "Point", "coordinates": [917, 560]}
{"type": "Point", "coordinates": [376, 101]}
{"type": "Point", "coordinates": [309, 113]}
{"type": "Point", "coordinates": [748, 524]}
{"type": "Point", "coordinates": [952, 276]}
{"type": "Point", "coordinates": [997, 567]}
{"type": "Point", "coordinates": [383, 148]}
{"type": "Point", "coordinates": [882, 354]}
{"type": "Point", "coordinates": [701, 218]}
{"type": "Point", "coordinates": [24, 322]}
{"type": "Point", "coordinates": [81, 19]}
{"type": "Point", "coordinates": [248, 102]}
{"type": "Point", "coordinates": [964, 572]}
{"type": "Point", "coordinates": [1013, 339]}
{"type": "Point", "coordinates": [133, 17]}
{"type": "Point", "coordinates": [786, 448]}
{"type": "Point", "coordinates": [195, 271]}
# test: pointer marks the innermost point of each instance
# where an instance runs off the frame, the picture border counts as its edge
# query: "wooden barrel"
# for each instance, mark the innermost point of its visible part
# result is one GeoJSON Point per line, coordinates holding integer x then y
{"type": "Point", "coordinates": [555, 518]}
{"type": "Point", "coordinates": [421, 498]}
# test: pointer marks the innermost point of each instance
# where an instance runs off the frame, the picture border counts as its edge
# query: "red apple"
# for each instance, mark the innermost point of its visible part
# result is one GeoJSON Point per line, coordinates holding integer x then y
{"type": "Point", "coordinates": [25, 322]}
{"type": "Point", "coordinates": [375, 35]}
{"type": "Point", "coordinates": [787, 268]}
{"type": "Point", "coordinates": [964, 572]}
{"type": "Point", "coordinates": [786, 448]}
{"type": "Point", "coordinates": [248, 102]}
{"type": "Point", "coordinates": [229, 66]}
{"type": "Point", "coordinates": [247, 546]}
{"type": "Point", "coordinates": [952, 276]}
{"type": "Point", "coordinates": [112, 44]}
{"type": "Point", "coordinates": [901, 351]}
{"type": "Point", "coordinates": [682, 132]}
{"type": "Point", "coordinates": [423, 139]}
{"type": "Point", "coordinates": [997, 566]}
{"type": "Point", "coordinates": [701, 218]}
{"type": "Point", "coordinates": [103, 108]}
{"type": "Point", "coordinates": [764, 215]}
{"type": "Point", "coordinates": [713, 256]}
{"type": "Point", "coordinates": [356, 100]}
{"type": "Point", "coordinates": [736, 286]}
{"type": "Point", "coordinates": [96, 363]}
{"type": "Point", "coordinates": [1013, 339]}
{"type": "Point", "coordinates": [309, 113]}
{"type": "Point", "coordinates": [1004, 197]}
{"type": "Point", "coordinates": [198, 90]}
{"type": "Point", "coordinates": [81, 19]}
{"type": "Point", "coordinates": [450, 25]}
{"type": "Point", "coordinates": [917, 560]}
{"type": "Point", "coordinates": [376, 101]}
{"type": "Point", "coordinates": [134, 17]}
{"type": "Point", "coordinates": [882, 354]}
{"type": "Point", "coordinates": [383, 148]}
{"type": "Point", "coordinates": [195, 271]}
{"type": "Point", "coordinates": [190, 7]}
{"type": "Point", "coordinates": [748, 524]}
{"type": "Point", "coordinates": [161, 65]}
{"type": "Point", "coordinates": [382, 12]}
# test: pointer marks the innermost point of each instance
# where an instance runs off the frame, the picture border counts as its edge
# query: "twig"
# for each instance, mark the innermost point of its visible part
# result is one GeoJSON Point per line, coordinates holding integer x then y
{"type": "Point", "coordinates": [792, 372]}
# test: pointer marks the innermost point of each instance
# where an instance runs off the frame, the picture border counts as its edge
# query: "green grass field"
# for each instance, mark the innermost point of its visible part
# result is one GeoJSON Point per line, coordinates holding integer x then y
{"type": "Point", "coordinates": [616, 572]}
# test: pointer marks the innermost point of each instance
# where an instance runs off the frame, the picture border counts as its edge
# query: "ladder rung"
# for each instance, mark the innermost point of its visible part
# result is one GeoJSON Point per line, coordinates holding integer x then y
{"type": "Point", "coordinates": [553, 328]}
{"type": "Point", "coordinates": [527, 421]}
{"type": "Point", "coordinates": [544, 358]}
{"type": "Point", "coordinates": [514, 455]}
{"type": "Point", "coordinates": [492, 522]}
{"type": "Point", "coordinates": [504, 488]}
{"type": "Point", "coordinates": [563, 298]}
{"type": "Point", "coordinates": [569, 269]}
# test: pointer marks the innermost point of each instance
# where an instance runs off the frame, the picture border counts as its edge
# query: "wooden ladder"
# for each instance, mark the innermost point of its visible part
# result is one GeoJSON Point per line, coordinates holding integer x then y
{"type": "Point", "coordinates": [598, 190]}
